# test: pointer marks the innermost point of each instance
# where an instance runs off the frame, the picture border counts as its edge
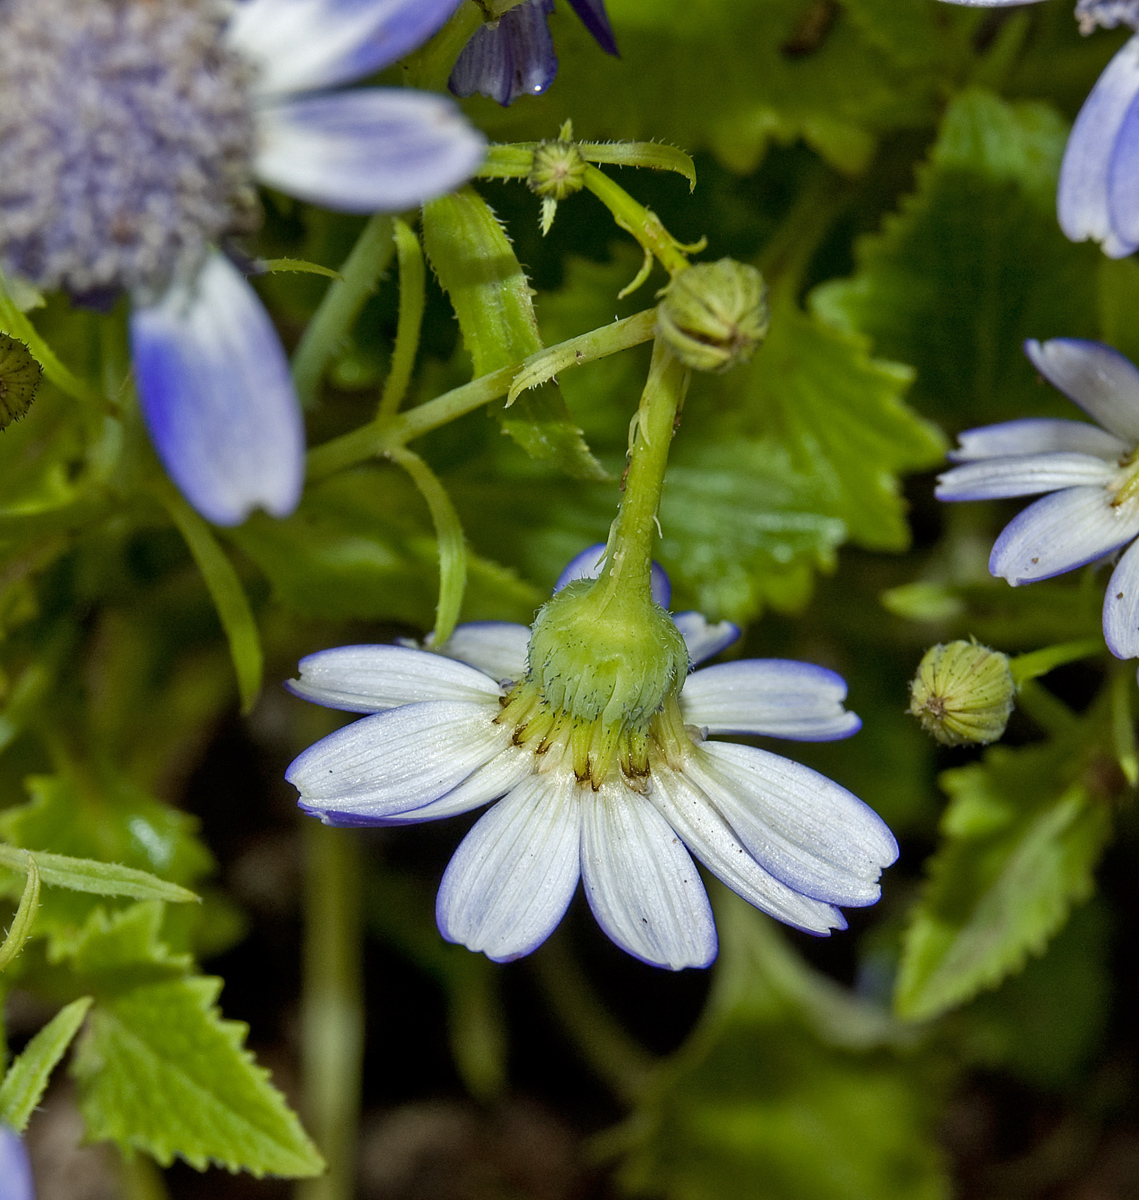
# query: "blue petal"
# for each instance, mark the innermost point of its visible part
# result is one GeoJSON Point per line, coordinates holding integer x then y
{"type": "Point", "coordinates": [303, 44]}
{"type": "Point", "coordinates": [1023, 475]}
{"type": "Point", "coordinates": [509, 58]}
{"type": "Point", "coordinates": [15, 1170]}
{"type": "Point", "coordinates": [1123, 179]}
{"type": "Point", "coordinates": [1082, 199]}
{"type": "Point", "coordinates": [217, 398]}
{"type": "Point", "coordinates": [1035, 435]}
{"type": "Point", "coordinates": [587, 565]}
{"type": "Point", "coordinates": [1121, 607]}
{"type": "Point", "coordinates": [594, 18]}
{"type": "Point", "coordinates": [1103, 382]}
{"type": "Point", "coordinates": [703, 639]}
{"type": "Point", "coordinates": [371, 150]}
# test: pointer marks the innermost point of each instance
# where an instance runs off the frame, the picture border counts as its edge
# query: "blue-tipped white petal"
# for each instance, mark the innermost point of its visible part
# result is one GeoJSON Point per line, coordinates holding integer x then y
{"type": "Point", "coordinates": [496, 647]}
{"type": "Point", "coordinates": [687, 809]}
{"type": "Point", "coordinates": [1061, 532]}
{"type": "Point", "coordinates": [369, 150]}
{"type": "Point", "coordinates": [15, 1169]}
{"type": "Point", "coordinates": [1123, 180]}
{"type": "Point", "coordinates": [396, 761]}
{"type": "Point", "coordinates": [509, 767]}
{"type": "Point", "coordinates": [217, 398]}
{"type": "Point", "coordinates": [1121, 607]}
{"type": "Point", "coordinates": [1023, 475]}
{"type": "Point", "coordinates": [1099, 379]}
{"type": "Point", "coordinates": [1083, 198]}
{"type": "Point", "coordinates": [799, 825]}
{"type": "Point", "coordinates": [641, 883]}
{"type": "Point", "coordinates": [587, 565]}
{"type": "Point", "coordinates": [1037, 435]}
{"type": "Point", "coordinates": [370, 679]}
{"type": "Point", "coordinates": [594, 17]}
{"type": "Point", "coordinates": [511, 57]}
{"type": "Point", "coordinates": [302, 44]}
{"type": "Point", "coordinates": [514, 874]}
{"type": "Point", "coordinates": [773, 696]}
{"type": "Point", "coordinates": [703, 639]}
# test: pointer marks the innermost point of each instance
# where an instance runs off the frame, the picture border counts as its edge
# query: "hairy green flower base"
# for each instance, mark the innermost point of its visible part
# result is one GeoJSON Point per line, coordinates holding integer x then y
{"type": "Point", "coordinates": [604, 673]}
{"type": "Point", "coordinates": [963, 693]}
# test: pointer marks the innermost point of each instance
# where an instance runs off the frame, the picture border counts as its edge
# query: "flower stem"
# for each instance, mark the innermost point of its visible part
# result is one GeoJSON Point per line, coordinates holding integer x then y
{"type": "Point", "coordinates": [628, 560]}
{"type": "Point", "coordinates": [332, 1007]}
{"type": "Point", "coordinates": [412, 279]}
{"type": "Point", "coordinates": [360, 276]}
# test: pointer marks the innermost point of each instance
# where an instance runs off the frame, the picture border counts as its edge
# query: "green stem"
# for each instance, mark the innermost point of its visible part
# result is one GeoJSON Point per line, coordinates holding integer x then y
{"type": "Point", "coordinates": [641, 222]}
{"type": "Point", "coordinates": [16, 324]}
{"type": "Point", "coordinates": [628, 561]}
{"type": "Point", "coordinates": [332, 321]}
{"type": "Point", "coordinates": [1123, 722]}
{"type": "Point", "coordinates": [332, 1006]}
{"type": "Point", "coordinates": [1039, 662]}
{"type": "Point", "coordinates": [412, 280]}
{"type": "Point", "coordinates": [611, 1053]}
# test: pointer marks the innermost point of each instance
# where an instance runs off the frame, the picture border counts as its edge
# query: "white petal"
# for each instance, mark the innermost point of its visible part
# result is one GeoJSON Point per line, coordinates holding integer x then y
{"type": "Point", "coordinates": [217, 398]}
{"type": "Point", "coordinates": [302, 44]}
{"type": "Point", "coordinates": [509, 767]}
{"type": "Point", "coordinates": [1121, 607]}
{"type": "Point", "coordinates": [1023, 475]}
{"type": "Point", "coordinates": [1123, 181]}
{"type": "Point", "coordinates": [396, 760]}
{"type": "Point", "coordinates": [370, 679]}
{"type": "Point", "coordinates": [1082, 197]}
{"type": "Point", "coordinates": [1061, 532]}
{"type": "Point", "coordinates": [513, 876]}
{"type": "Point", "coordinates": [1037, 435]}
{"type": "Point", "coordinates": [703, 639]}
{"type": "Point", "coordinates": [801, 826]}
{"type": "Point", "coordinates": [773, 696]}
{"type": "Point", "coordinates": [496, 647]}
{"type": "Point", "coordinates": [685, 807]}
{"type": "Point", "coordinates": [587, 565]}
{"type": "Point", "coordinates": [1099, 379]}
{"type": "Point", "coordinates": [641, 883]}
{"type": "Point", "coordinates": [369, 150]}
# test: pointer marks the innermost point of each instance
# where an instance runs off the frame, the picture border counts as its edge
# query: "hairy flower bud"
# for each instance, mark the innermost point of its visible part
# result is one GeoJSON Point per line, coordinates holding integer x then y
{"type": "Point", "coordinates": [558, 170]}
{"type": "Point", "coordinates": [19, 380]}
{"type": "Point", "coordinates": [963, 693]}
{"type": "Point", "coordinates": [714, 315]}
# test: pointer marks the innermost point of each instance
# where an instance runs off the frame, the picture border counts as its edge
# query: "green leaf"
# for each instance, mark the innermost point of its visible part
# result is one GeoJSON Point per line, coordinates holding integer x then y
{"type": "Point", "coordinates": [299, 265]}
{"type": "Point", "coordinates": [97, 878]}
{"type": "Point", "coordinates": [477, 268]}
{"type": "Point", "coordinates": [972, 265]}
{"type": "Point", "coordinates": [27, 1077]}
{"type": "Point", "coordinates": [114, 952]}
{"type": "Point", "coordinates": [161, 1071]}
{"type": "Point", "coordinates": [789, 1089]}
{"type": "Point", "coordinates": [21, 927]}
{"type": "Point", "coordinates": [1023, 832]}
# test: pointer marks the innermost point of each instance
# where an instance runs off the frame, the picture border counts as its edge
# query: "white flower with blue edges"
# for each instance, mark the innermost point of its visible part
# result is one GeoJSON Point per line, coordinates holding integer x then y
{"type": "Point", "coordinates": [454, 730]}
{"type": "Point", "coordinates": [132, 134]}
{"type": "Point", "coordinates": [1090, 471]}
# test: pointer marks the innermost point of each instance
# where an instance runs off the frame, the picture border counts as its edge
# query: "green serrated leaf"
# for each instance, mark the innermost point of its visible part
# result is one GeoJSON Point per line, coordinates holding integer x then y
{"type": "Point", "coordinates": [972, 265]}
{"type": "Point", "coordinates": [477, 268]}
{"type": "Point", "coordinates": [297, 265]}
{"type": "Point", "coordinates": [27, 1077]}
{"type": "Point", "coordinates": [1023, 832]}
{"type": "Point", "coordinates": [97, 878]}
{"type": "Point", "coordinates": [161, 1071]}
{"type": "Point", "coordinates": [116, 951]}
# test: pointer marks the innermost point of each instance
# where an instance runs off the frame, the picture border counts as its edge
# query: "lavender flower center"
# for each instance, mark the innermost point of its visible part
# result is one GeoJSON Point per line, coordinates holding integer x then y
{"type": "Point", "coordinates": [126, 138]}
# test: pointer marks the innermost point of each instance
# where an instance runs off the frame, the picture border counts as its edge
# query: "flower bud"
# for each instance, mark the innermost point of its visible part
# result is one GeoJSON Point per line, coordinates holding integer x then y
{"type": "Point", "coordinates": [19, 380]}
{"type": "Point", "coordinates": [558, 170]}
{"type": "Point", "coordinates": [963, 693]}
{"type": "Point", "coordinates": [714, 315]}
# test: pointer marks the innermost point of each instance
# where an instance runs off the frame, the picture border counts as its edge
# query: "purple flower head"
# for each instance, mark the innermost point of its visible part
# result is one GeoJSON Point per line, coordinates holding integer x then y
{"type": "Point", "coordinates": [514, 55]}
{"type": "Point", "coordinates": [131, 140]}
{"type": "Point", "coordinates": [1090, 472]}
{"type": "Point", "coordinates": [15, 1170]}
{"type": "Point", "coordinates": [455, 727]}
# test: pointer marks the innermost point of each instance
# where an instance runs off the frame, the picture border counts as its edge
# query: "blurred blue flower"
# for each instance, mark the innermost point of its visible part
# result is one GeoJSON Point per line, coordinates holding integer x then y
{"type": "Point", "coordinates": [461, 727]}
{"type": "Point", "coordinates": [514, 55]}
{"type": "Point", "coordinates": [1090, 471]}
{"type": "Point", "coordinates": [131, 138]}
{"type": "Point", "coordinates": [15, 1170]}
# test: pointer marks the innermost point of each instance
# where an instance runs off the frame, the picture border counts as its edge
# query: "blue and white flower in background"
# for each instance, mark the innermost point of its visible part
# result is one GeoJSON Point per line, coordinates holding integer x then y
{"type": "Point", "coordinates": [453, 730]}
{"type": "Point", "coordinates": [1091, 473]}
{"type": "Point", "coordinates": [132, 136]}
{"type": "Point", "coordinates": [15, 1169]}
{"type": "Point", "coordinates": [1098, 193]}
{"type": "Point", "coordinates": [513, 55]}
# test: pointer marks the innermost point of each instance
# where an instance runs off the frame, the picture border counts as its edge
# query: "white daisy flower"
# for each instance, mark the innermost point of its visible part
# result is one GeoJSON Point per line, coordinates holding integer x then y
{"type": "Point", "coordinates": [623, 811]}
{"type": "Point", "coordinates": [1091, 471]}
